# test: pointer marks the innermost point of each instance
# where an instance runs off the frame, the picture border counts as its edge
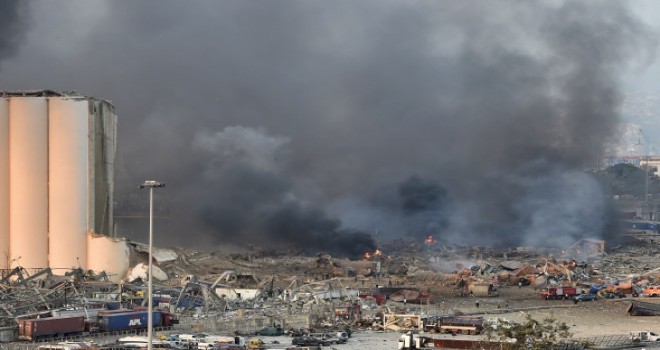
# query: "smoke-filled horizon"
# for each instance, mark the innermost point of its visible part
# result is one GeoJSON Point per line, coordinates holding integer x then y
{"type": "Point", "coordinates": [314, 125]}
{"type": "Point", "coordinates": [13, 18]}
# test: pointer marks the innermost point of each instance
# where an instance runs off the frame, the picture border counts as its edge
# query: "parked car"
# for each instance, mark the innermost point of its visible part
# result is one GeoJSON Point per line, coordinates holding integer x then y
{"type": "Point", "coordinates": [585, 297]}
{"type": "Point", "coordinates": [270, 331]}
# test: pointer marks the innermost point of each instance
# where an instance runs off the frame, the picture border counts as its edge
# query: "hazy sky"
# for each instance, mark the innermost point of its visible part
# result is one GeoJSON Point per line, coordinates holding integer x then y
{"type": "Point", "coordinates": [315, 124]}
{"type": "Point", "coordinates": [647, 77]}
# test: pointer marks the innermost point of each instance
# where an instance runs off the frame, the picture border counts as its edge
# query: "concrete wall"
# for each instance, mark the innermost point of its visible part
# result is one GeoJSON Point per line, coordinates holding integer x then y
{"type": "Point", "coordinates": [108, 254]}
{"type": "Point", "coordinates": [4, 183]}
{"type": "Point", "coordinates": [68, 183]}
{"type": "Point", "coordinates": [28, 178]}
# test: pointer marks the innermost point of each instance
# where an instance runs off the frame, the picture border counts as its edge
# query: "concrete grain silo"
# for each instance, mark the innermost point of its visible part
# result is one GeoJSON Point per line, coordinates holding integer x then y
{"type": "Point", "coordinates": [68, 191]}
{"type": "Point", "coordinates": [28, 181]}
{"type": "Point", "coordinates": [58, 189]}
{"type": "Point", "coordinates": [4, 181]}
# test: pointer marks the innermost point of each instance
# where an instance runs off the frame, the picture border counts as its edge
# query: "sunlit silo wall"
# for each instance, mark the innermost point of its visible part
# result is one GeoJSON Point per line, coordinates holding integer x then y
{"type": "Point", "coordinates": [28, 181]}
{"type": "Point", "coordinates": [4, 182]}
{"type": "Point", "coordinates": [61, 150]}
{"type": "Point", "coordinates": [68, 184]}
{"type": "Point", "coordinates": [111, 255]}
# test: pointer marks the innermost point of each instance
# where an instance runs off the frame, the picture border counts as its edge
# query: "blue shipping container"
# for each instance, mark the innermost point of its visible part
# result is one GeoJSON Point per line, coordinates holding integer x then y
{"type": "Point", "coordinates": [641, 225]}
{"type": "Point", "coordinates": [128, 320]}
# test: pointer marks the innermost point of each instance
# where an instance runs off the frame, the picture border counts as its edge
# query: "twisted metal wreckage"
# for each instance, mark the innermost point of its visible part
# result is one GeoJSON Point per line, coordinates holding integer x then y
{"type": "Point", "coordinates": [34, 294]}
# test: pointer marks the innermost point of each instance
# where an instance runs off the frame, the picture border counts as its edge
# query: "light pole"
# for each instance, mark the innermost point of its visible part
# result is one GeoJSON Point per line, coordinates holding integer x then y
{"type": "Point", "coordinates": [151, 184]}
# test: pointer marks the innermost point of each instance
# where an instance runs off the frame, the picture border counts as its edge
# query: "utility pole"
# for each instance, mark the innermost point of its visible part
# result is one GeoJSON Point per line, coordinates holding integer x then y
{"type": "Point", "coordinates": [151, 184]}
{"type": "Point", "coordinates": [646, 176]}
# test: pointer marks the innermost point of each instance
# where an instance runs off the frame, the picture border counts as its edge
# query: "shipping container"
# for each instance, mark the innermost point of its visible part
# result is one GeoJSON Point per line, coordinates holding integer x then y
{"type": "Point", "coordinates": [640, 225]}
{"type": "Point", "coordinates": [168, 320]}
{"type": "Point", "coordinates": [110, 322]}
{"type": "Point", "coordinates": [461, 324]}
{"type": "Point", "coordinates": [49, 327]}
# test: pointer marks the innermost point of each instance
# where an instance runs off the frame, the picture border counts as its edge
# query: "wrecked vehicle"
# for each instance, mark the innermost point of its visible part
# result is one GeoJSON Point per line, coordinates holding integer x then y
{"type": "Point", "coordinates": [652, 291]}
{"type": "Point", "coordinates": [644, 336]}
{"type": "Point", "coordinates": [308, 341]}
{"type": "Point", "coordinates": [585, 297]}
{"type": "Point", "coordinates": [270, 331]}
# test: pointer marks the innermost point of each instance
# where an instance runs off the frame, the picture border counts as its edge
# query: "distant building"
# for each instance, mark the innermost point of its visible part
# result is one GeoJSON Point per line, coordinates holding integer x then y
{"type": "Point", "coordinates": [614, 160]}
{"type": "Point", "coordinates": [653, 162]}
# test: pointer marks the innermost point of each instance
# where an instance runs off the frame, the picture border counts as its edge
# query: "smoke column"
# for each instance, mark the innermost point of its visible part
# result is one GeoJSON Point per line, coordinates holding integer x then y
{"type": "Point", "coordinates": [12, 26]}
{"type": "Point", "coordinates": [313, 125]}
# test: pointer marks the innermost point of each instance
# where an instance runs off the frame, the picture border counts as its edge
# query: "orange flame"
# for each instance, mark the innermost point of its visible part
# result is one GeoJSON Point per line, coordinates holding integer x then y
{"type": "Point", "coordinates": [430, 240]}
{"type": "Point", "coordinates": [369, 255]}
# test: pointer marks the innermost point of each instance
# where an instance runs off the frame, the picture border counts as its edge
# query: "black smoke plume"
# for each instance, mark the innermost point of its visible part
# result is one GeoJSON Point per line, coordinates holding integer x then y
{"type": "Point", "coordinates": [418, 196]}
{"type": "Point", "coordinates": [13, 24]}
{"type": "Point", "coordinates": [298, 122]}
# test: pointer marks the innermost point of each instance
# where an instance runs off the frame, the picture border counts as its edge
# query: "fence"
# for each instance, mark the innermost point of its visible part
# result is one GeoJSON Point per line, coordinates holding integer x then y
{"type": "Point", "coordinates": [609, 341]}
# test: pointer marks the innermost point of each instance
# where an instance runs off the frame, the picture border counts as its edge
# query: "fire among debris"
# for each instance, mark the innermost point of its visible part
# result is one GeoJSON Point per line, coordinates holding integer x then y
{"type": "Point", "coordinates": [374, 254]}
{"type": "Point", "coordinates": [429, 240]}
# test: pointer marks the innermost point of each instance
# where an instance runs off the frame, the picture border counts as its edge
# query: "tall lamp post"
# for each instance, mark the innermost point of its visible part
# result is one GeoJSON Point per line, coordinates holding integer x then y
{"type": "Point", "coordinates": [151, 184]}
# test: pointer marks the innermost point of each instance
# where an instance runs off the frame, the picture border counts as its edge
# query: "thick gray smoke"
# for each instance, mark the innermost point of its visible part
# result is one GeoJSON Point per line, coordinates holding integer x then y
{"type": "Point", "coordinates": [312, 124]}
{"type": "Point", "coordinates": [12, 26]}
{"type": "Point", "coordinates": [249, 193]}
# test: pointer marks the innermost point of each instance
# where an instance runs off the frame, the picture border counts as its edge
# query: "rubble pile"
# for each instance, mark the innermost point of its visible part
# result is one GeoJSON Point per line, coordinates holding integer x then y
{"type": "Point", "coordinates": [255, 290]}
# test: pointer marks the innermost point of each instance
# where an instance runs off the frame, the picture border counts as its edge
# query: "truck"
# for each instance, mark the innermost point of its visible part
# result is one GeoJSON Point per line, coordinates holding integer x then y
{"type": "Point", "coordinates": [559, 293]}
{"type": "Point", "coordinates": [652, 291]}
{"type": "Point", "coordinates": [644, 336]}
{"type": "Point", "coordinates": [613, 291]}
{"type": "Point", "coordinates": [38, 328]}
{"type": "Point", "coordinates": [111, 322]}
{"type": "Point", "coordinates": [211, 342]}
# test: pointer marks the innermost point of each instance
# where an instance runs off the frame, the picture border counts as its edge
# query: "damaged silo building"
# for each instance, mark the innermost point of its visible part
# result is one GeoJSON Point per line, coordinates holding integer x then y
{"type": "Point", "coordinates": [57, 155]}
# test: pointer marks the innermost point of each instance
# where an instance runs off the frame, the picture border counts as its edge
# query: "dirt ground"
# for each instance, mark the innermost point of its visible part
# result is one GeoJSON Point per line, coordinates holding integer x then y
{"type": "Point", "coordinates": [586, 319]}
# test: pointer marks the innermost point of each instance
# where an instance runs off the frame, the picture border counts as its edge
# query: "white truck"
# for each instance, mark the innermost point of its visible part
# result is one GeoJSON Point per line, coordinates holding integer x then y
{"type": "Point", "coordinates": [644, 336]}
{"type": "Point", "coordinates": [410, 340]}
{"type": "Point", "coordinates": [217, 341]}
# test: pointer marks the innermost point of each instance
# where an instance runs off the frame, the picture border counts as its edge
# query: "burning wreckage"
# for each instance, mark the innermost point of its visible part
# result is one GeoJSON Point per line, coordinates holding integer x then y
{"type": "Point", "coordinates": [267, 294]}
